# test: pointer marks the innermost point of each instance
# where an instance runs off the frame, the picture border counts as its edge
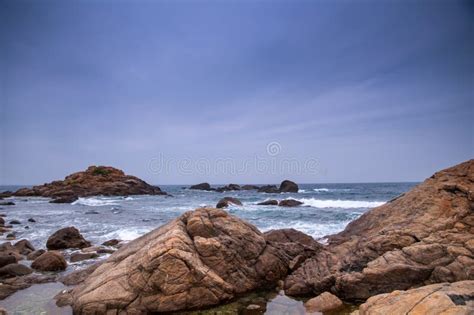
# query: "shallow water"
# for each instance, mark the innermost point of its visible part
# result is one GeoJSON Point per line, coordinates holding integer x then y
{"type": "Point", "coordinates": [327, 209]}
{"type": "Point", "coordinates": [37, 300]}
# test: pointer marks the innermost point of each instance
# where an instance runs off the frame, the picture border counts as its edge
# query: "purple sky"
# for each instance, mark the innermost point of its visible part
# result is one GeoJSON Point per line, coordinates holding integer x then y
{"type": "Point", "coordinates": [370, 90]}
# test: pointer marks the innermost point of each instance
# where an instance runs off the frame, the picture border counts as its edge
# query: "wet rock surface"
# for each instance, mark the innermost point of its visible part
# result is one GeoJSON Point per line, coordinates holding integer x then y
{"type": "Point", "coordinates": [422, 237]}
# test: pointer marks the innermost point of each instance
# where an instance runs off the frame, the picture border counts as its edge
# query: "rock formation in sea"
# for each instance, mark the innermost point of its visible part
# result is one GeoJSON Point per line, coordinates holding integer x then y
{"type": "Point", "coordinates": [96, 180]}
{"type": "Point", "coordinates": [202, 258]}
{"type": "Point", "coordinates": [424, 236]}
{"type": "Point", "coordinates": [226, 201]}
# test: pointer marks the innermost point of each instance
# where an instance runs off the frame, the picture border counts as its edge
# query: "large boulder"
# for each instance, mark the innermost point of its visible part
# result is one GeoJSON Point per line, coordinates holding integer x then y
{"type": "Point", "coordinates": [200, 259]}
{"type": "Point", "coordinates": [422, 237]}
{"type": "Point", "coordinates": [50, 261]}
{"type": "Point", "coordinates": [67, 238]}
{"type": "Point", "coordinates": [95, 180]}
{"type": "Point", "coordinates": [442, 298]}
{"type": "Point", "coordinates": [288, 186]}
{"type": "Point", "coordinates": [226, 201]}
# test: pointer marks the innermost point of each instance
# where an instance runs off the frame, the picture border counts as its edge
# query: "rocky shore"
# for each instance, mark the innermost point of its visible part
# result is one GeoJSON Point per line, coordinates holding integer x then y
{"type": "Point", "coordinates": [94, 181]}
{"type": "Point", "coordinates": [415, 254]}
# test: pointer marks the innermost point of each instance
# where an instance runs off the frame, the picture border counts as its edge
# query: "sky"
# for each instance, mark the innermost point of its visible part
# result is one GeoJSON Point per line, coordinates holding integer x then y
{"type": "Point", "coordinates": [180, 92]}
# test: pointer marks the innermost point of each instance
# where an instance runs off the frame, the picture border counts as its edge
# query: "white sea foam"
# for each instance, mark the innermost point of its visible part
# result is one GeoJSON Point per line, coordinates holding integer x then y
{"type": "Point", "coordinates": [127, 234]}
{"type": "Point", "coordinates": [318, 203]}
{"type": "Point", "coordinates": [321, 189]}
{"type": "Point", "coordinates": [96, 202]}
{"type": "Point", "coordinates": [316, 230]}
{"type": "Point", "coordinates": [301, 190]}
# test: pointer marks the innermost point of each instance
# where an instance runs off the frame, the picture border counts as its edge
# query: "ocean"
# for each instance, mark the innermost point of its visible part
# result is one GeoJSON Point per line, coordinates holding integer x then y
{"type": "Point", "coordinates": [326, 209]}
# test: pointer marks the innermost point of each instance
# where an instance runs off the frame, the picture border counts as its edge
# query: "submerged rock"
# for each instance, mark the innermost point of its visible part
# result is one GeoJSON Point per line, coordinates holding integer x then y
{"type": "Point", "coordinates": [226, 201]}
{"type": "Point", "coordinates": [112, 242]}
{"type": "Point", "coordinates": [270, 202]}
{"type": "Point", "coordinates": [289, 203]}
{"type": "Point", "coordinates": [443, 298]}
{"type": "Point", "coordinates": [96, 180]}
{"type": "Point", "coordinates": [422, 237]}
{"type": "Point", "coordinates": [200, 259]}
{"type": "Point", "coordinates": [75, 257]}
{"type": "Point", "coordinates": [7, 203]}
{"type": "Point", "coordinates": [50, 261]}
{"type": "Point", "coordinates": [67, 238]}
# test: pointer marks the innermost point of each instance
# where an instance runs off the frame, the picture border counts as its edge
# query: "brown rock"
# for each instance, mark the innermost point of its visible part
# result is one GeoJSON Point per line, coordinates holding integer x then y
{"type": "Point", "coordinates": [8, 249]}
{"type": "Point", "coordinates": [67, 238]}
{"type": "Point", "coordinates": [288, 186]}
{"type": "Point", "coordinates": [443, 298]}
{"type": "Point", "coordinates": [289, 203]}
{"type": "Point", "coordinates": [2, 221]}
{"type": "Point", "coordinates": [200, 259]}
{"type": "Point", "coordinates": [324, 302]}
{"type": "Point", "coordinates": [24, 247]}
{"type": "Point", "coordinates": [226, 201]}
{"type": "Point", "coordinates": [35, 254]}
{"type": "Point", "coordinates": [418, 238]}
{"type": "Point", "coordinates": [270, 202]}
{"type": "Point", "coordinates": [50, 261]}
{"type": "Point", "coordinates": [14, 270]}
{"type": "Point", "coordinates": [7, 259]}
{"type": "Point", "coordinates": [75, 257]}
{"type": "Point", "coordinates": [96, 180]}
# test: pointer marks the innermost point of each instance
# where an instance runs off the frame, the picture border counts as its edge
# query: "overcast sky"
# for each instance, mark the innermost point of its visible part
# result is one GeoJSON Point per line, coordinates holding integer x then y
{"type": "Point", "coordinates": [370, 90]}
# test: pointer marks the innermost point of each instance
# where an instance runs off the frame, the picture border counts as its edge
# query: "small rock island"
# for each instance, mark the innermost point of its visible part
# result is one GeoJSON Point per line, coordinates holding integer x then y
{"type": "Point", "coordinates": [94, 181]}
